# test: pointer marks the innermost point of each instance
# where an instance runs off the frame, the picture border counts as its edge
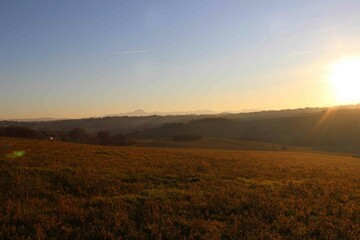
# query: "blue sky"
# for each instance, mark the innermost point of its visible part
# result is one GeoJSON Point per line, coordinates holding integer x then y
{"type": "Point", "coordinates": [90, 58]}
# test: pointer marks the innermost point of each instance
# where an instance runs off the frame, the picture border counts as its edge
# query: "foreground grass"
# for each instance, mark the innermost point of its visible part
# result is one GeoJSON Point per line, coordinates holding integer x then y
{"type": "Point", "coordinates": [51, 190]}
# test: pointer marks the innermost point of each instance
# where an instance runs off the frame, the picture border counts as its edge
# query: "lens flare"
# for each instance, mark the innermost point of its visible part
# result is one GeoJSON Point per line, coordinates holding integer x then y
{"type": "Point", "coordinates": [16, 154]}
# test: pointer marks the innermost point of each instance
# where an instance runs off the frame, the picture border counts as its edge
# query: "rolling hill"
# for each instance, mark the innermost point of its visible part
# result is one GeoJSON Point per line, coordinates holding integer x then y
{"type": "Point", "coordinates": [334, 129]}
{"type": "Point", "coordinates": [337, 130]}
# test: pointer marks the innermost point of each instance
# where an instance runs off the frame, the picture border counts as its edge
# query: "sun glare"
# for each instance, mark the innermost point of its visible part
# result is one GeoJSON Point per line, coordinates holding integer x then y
{"type": "Point", "coordinates": [345, 78]}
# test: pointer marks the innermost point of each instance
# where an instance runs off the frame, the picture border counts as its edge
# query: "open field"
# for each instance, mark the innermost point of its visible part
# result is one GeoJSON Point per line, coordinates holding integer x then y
{"type": "Point", "coordinates": [210, 143]}
{"type": "Point", "coordinates": [235, 144]}
{"type": "Point", "coordinates": [55, 190]}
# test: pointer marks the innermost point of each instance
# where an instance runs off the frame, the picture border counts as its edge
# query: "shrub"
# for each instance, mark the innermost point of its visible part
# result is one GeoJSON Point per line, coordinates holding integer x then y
{"type": "Point", "coordinates": [121, 140]}
{"type": "Point", "coordinates": [79, 135]}
{"type": "Point", "coordinates": [103, 138]}
{"type": "Point", "coordinates": [18, 132]}
{"type": "Point", "coordinates": [186, 137]}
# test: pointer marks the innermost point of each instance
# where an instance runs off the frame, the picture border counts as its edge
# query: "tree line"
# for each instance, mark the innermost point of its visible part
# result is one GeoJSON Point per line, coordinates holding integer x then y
{"type": "Point", "coordinates": [78, 135]}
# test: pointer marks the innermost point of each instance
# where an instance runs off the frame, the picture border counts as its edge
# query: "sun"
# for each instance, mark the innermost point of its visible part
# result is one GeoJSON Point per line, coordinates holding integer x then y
{"type": "Point", "coordinates": [345, 79]}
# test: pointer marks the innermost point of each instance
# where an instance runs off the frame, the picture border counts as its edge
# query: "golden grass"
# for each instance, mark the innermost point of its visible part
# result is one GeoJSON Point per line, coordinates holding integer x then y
{"type": "Point", "coordinates": [57, 190]}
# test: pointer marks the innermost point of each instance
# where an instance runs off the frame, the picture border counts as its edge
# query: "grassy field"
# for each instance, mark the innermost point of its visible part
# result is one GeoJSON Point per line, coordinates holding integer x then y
{"type": "Point", "coordinates": [54, 190]}
{"type": "Point", "coordinates": [236, 144]}
{"type": "Point", "coordinates": [210, 143]}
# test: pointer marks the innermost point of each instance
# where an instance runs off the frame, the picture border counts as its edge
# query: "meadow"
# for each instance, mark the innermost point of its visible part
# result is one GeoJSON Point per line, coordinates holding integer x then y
{"type": "Point", "coordinates": [58, 190]}
{"type": "Point", "coordinates": [209, 143]}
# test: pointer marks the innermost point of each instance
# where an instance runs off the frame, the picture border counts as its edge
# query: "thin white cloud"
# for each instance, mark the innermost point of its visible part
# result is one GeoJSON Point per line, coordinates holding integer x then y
{"type": "Point", "coordinates": [130, 52]}
{"type": "Point", "coordinates": [300, 53]}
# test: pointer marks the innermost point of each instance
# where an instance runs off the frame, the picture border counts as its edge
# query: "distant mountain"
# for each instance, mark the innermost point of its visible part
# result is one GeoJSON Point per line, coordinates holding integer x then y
{"type": "Point", "coordinates": [35, 119]}
{"type": "Point", "coordinates": [142, 113]}
{"type": "Point", "coordinates": [136, 113]}
{"type": "Point", "coordinates": [243, 114]}
{"type": "Point", "coordinates": [142, 124]}
{"type": "Point", "coordinates": [117, 124]}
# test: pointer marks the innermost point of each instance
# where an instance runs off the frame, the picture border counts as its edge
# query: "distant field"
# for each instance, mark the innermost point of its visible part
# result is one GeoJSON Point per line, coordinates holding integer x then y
{"type": "Point", "coordinates": [234, 144]}
{"type": "Point", "coordinates": [55, 190]}
{"type": "Point", "coordinates": [210, 143]}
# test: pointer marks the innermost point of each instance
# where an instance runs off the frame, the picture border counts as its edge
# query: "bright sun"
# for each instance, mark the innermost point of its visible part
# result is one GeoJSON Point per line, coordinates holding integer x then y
{"type": "Point", "coordinates": [345, 78]}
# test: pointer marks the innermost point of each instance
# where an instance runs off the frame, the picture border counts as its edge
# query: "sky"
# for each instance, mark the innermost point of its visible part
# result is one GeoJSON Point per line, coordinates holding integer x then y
{"type": "Point", "coordinates": [72, 59]}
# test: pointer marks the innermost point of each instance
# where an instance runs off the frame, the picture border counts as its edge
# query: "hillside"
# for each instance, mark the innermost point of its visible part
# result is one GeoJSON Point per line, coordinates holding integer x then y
{"type": "Point", "coordinates": [331, 130]}
{"type": "Point", "coordinates": [112, 124]}
{"type": "Point", "coordinates": [137, 122]}
{"type": "Point", "coordinates": [55, 190]}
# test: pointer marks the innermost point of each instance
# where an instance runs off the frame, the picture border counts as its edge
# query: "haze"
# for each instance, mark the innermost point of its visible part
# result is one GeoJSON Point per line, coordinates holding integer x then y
{"type": "Point", "coordinates": [91, 58]}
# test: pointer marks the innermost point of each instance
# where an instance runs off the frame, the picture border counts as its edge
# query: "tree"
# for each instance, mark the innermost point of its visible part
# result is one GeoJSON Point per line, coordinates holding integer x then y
{"type": "Point", "coordinates": [79, 135]}
{"type": "Point", "coordinates": [119, 140]}
{"type": "Point", "coordinates": [186, 137]}
{"type": "Point", "coordinates": [103, 138]}
{"type": "Point", "coordinates": [19, 132]}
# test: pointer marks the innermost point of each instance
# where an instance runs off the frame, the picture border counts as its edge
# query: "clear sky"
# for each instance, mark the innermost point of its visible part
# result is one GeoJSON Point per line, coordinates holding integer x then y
{"type": "Point", "coordinates": [90, 58]}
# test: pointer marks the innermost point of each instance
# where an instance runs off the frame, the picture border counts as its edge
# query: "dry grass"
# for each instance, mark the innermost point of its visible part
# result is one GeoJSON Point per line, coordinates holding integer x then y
{"type": "Point", "coordinates": [71, 191]}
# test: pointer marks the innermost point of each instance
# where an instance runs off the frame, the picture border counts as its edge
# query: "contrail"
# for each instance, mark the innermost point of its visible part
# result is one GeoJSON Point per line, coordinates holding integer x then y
{"type": "Point", "coordinates": [299, 53]}
{"type": "Point", "coordinates": [130, 52]}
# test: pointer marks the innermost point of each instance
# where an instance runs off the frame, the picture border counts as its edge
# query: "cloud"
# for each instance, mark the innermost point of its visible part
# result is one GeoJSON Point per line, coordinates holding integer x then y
{"type": "Point", "coordinates": [130, 52]}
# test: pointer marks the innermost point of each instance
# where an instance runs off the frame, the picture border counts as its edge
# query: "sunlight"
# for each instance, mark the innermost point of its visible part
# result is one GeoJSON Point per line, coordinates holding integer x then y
{"type": "Point", "coordinates": [345, 78]}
